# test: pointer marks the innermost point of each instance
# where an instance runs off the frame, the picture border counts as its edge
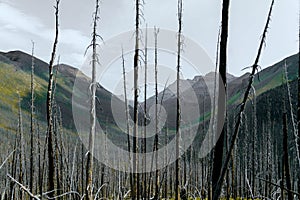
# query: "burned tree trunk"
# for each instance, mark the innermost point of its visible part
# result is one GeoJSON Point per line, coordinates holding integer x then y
{"type": "Point", "coordinates": [127, 115]}
{"type": "Point", "coordinates": [144, 141]}
{"type": "Point", "coordinates": [286, 166]}
{"type": "Point", "coordinates": [90, 154]}
{"type": "Point", "coordinates": [156, 196]}
{"type": "Point", "coordinates": [51, 165]}
{"type": "Point", "coordinates": [177, 163]}
{"type": "Point", "coordinates": [32, 128]}
{"type": "Point", "coordinates": [218, 150]}
{"type": "Point", "coordinates": [21, 146]}
{"type": "Point", "coordinates": [242, 108]}
{"type": "Point", "coordinates": [298, 109]}
{"type": "Point", "coordinates": [135, 189]}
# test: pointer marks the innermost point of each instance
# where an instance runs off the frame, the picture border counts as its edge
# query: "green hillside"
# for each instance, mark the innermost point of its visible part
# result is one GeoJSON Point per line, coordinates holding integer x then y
{"type": "Point", "coordinates": [15, 69]}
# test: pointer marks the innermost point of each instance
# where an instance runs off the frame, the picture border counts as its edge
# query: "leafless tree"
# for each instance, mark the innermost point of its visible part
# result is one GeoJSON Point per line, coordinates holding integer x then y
{"type": "Point", "coordinates": [218, 150]}
{"type": "Point", "coordinates": [144, 141]}
{"type": "Point", "coordinates": [21, 145]}
{"type": "Point", "coordinates": [32, 128]}
{"type": "Point", "coordinates": [93, 88]}
{"type": "Point", "coordinates": [296, 135]}
{"type": "Point", "coordinates": [138, 14]}
{"type": "Point", "coordinates": [156, 196]}
{"type": "Point", "coordinates": [286, 166]}
{"type": "Point", "coordinates": [242, 108]}
{"type": "Point", "coordinates": [178, 118]}
{"type": "Point", "coordinates": [127, 115]}
{"type": "Point", "coordinates": [51, 165]}
{"type": "Point", "coordinates": [298, 107]}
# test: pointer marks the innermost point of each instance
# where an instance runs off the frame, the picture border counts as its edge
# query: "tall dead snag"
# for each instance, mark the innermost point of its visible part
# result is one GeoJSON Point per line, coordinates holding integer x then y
{"type": "Point", "coordinates": [286, 166]}
{"type": "Point", "coordinates": [213, 128]}
{"type": "Point", "coordinates": [56, 130]}
{"type": "Point", "coordinates": [242, 107]}
{"type": "Point", "coordinates": [40, 172]}
{"type": "Point", "coordinates": [156, 31]}
{"type": "Point", "coordinates": [31, 121]}
{"type": "Point", "coordinates": [135, 190]}
{"type": "Point", "coordinates": [298, 107]}
{"type": "Point", "coordinates": [144, 148]}
{"type": "Point", "coordinates": [51, 165]}
{"type": "Point", "coordinates": [218, 150]}
{"type": "Point", "coordinates": [127, 114]}
{"type": "Point", "coordinates": [21, 145]}
{"type": "Point", "coordinates": [296, 135]}
{"type": "Point", "coordinates": [254, 144]}
{"type": "Point", "coordinates": [178, 118]}
{"type": "Point", "coordinates": [93, 87]}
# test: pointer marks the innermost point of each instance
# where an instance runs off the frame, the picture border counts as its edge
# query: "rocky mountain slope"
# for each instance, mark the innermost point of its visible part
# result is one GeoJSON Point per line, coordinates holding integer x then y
{"type": "Point", "coordinates": [15, 68]}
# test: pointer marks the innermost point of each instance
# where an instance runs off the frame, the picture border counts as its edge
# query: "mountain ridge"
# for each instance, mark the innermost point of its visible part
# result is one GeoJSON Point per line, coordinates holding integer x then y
{"type": "Point", "coordinates": [18, 64]}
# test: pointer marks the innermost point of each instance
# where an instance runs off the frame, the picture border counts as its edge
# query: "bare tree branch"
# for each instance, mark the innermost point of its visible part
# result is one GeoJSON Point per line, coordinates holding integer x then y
{"type": "Point", "coordinates": [281, 187]}
{"type": "Point", "coordinates": [51, 168]}
{"type": "Point", "coordinates": [243, 105]}
{"type": "Point", "coordinates": [9, 155]}
{"type": "Point", "coordinates": [23, 187]}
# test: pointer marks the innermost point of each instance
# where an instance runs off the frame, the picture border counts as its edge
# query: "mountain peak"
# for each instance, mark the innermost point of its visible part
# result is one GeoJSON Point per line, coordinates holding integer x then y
{"type": "Point", "coordinates": [211, 76]}
{"type": "Point", "coordinates": [23, 61]}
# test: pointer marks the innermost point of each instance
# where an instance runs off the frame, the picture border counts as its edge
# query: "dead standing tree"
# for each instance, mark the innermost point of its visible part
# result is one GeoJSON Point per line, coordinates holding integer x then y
{"type": "Point", "coordinates": [289, 98]}
{"type": "Point", "coordinates": [144, 141]}
{"type": "Point", "coordinates": [32, 128]}
{"type": "Point", "coordinates": [298, 109]}
{"type": "Point", "coordinates": [135, 164]}
{"type": "Point", "coordinates": [218, 150]}
{"type": "Point", "coordinates": [178, 118]}
{"type": "Point", "coordinates": [156, 196]}
{"type": "Point", "coordinates": [286, 167]}
{"type": "Point", "coordinates": [242, 107]}
{"type": "Point", "coordinates": [127, 115]}
{"type": "Point", "coordinates": [93, 87]}
{"type": "Point", "coordinates": [51, 165]}
{"type": "Point", "coordinates": [21, 144]}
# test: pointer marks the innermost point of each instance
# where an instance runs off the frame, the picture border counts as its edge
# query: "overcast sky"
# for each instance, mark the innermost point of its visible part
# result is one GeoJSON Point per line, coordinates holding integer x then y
{"type": "Point", "coordinates": [24, 20]}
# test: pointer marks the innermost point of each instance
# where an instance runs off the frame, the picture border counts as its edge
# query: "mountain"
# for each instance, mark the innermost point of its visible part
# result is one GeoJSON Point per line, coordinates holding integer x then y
{"type": "Point", "coordinates": [203, 86]}
{"type": "Point", "coordinates": [15, 69]}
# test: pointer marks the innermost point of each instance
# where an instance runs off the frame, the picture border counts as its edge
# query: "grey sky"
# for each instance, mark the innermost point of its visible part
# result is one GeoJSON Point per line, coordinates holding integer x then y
{"type": "Point", "coordinates": [24, 20]}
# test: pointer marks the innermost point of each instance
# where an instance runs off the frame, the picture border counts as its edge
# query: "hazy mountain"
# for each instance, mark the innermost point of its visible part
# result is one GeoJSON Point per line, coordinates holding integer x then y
{"type": "Point", "coordinates": [15, 68]}
{"type": "Point", "coordinates": [203, 87]}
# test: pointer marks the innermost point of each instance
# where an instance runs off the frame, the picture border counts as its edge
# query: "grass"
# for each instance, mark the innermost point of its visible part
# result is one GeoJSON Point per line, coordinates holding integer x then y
{"type": "Point", "coordinates": [235, 99]}
{"type": "Point", "coordinates": [265, 83]}
{"type": "Point", "coordinates": [13, 81]}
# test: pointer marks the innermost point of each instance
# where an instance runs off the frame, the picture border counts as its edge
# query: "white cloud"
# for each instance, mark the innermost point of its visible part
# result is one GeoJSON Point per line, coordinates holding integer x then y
{"type": "Point", "coordinates": [74, 38]}
{"type": "Point", "coordinates": [11, 39]}
{"type": "Point", "coordinates": [75, 58]}
{"type": "Point", "coordinates": [18, 29]}
{"type": "Point", "coordinates": [11, 17]}
{"type": "Point", "coordinates": [21, 22]}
